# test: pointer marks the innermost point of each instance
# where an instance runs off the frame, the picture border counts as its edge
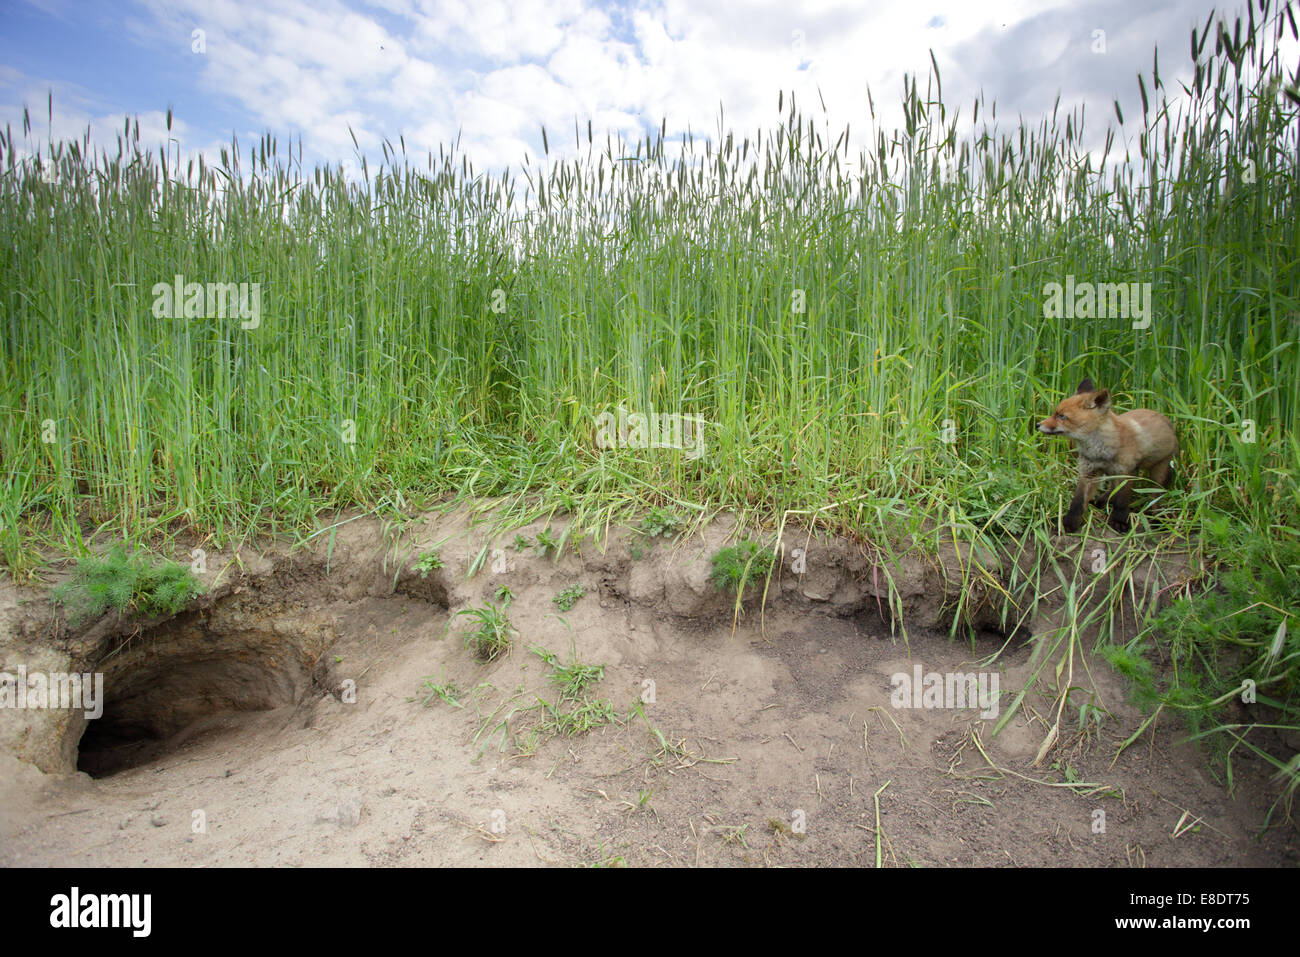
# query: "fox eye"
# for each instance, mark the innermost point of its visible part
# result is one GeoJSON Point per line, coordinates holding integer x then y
{"type": "Point", "coordinates": [1063, 417]}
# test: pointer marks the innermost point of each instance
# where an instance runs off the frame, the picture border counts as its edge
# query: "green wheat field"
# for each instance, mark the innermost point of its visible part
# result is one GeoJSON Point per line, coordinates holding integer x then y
{"type": "Point", "coordinates": [865, 336]}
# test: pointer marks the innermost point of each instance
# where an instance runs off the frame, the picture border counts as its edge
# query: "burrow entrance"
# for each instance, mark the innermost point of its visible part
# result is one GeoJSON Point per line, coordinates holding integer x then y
{"type": "Point", "coordinates": [200, 674]}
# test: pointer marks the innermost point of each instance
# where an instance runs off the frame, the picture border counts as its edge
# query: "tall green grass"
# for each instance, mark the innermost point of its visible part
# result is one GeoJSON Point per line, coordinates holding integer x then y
{"type": "Point", "coordinates": [864, 332]}
{"type": "Point", "coordinates": [628, 275]}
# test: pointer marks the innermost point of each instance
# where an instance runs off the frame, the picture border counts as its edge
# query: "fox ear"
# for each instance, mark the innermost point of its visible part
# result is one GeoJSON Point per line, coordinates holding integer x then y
{"type": "Point", "coordinates": [1102, 399]}
{"type": "Point", "coordinates": [1085, 386]}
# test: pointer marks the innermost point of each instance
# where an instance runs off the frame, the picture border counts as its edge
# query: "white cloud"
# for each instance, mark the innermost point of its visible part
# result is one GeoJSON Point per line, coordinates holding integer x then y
{"type": "Point", "coordinates": [497, 30]}
{"type": "Point", "coordinates": [498, 71]}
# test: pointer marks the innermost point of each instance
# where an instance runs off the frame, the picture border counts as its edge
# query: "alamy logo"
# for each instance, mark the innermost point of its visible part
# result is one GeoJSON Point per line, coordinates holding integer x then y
{"type": "Point", "coordinates": [57, 689]}
{"type": "Point", "coordinates": [653, 430]}
{"type": "Point", "coordinates": [1103, 300]}
{"type": "Point", "coordinates": [215, 300]}
{"type": "Point", "coordinates": [950, 690]}
{"type": "Point", "coordinates": [102, 910]}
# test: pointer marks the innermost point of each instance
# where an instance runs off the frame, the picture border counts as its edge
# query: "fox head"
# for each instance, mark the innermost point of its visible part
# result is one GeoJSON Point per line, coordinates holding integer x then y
{"type": "Point", "coordinates": [1080, 413]}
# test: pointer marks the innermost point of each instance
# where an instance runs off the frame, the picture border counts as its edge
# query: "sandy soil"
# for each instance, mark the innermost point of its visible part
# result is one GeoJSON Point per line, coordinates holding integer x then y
{"type": "Point", "coordinates": [773, 742]}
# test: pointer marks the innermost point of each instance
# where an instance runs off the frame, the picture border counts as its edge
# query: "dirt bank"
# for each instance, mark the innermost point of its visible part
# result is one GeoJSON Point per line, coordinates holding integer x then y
{"type": "Point", "coordinates": [288, 717]}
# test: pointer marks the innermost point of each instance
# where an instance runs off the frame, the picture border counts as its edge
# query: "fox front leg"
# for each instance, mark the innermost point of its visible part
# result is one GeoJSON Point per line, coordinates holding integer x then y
{"type": "Point", "coordinates": [1119, 502]}
{"type": "Point", "coordinates": [1074, 515]}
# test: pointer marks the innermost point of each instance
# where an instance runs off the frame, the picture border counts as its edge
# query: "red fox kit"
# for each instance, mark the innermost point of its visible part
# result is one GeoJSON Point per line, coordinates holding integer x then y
{"type": "Point", "coordinates": [1111, 444]}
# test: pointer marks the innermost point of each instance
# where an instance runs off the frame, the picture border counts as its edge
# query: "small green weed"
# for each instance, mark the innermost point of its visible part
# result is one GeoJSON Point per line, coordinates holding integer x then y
{"type": "Point", "coordinates": [546, 542]}
{"type": "Point", "coordinates": [572, 713]}
{"type": "Point", "coordinates": [580, 719]}
{"type": "Point", "coordinates": [446, 690]}
{"type": "Point", "coordinates": [736, 566]}
{"type": "Point", "coordinates": [607, 860]}
{"type": "Point", "coordinates": [428, 562]}
{"type": "Point", "coordinates": [660, 521]}
{"type": "Point", "coordinates": [733, 834]}
{"type": "Point", "coordinates": [569, 597]}
{"type": "Point", "coordinates": [494, 633]}
{"type": "Point", "coordinates": [573, 678]}
{"type": "Point", "coordinates": [129, 583]}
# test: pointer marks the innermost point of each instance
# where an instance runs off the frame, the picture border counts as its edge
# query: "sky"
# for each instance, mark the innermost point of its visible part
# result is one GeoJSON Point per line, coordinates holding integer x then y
{"type": "Point", "coordinates": [493, 73]}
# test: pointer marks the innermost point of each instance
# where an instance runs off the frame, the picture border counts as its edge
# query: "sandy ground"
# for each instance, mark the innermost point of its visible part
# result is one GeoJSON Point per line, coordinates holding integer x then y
{"type": "Point", "coordinates": [771, 743]}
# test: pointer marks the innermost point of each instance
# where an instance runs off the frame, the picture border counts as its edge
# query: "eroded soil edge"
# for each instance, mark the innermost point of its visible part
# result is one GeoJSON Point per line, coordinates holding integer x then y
{"type": "Point", "coordinates": [282, 719]}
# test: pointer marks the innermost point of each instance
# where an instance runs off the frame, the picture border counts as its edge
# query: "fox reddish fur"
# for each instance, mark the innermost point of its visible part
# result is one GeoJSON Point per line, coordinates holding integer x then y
{"type": "Point", "coordinates": [1110, 444]}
